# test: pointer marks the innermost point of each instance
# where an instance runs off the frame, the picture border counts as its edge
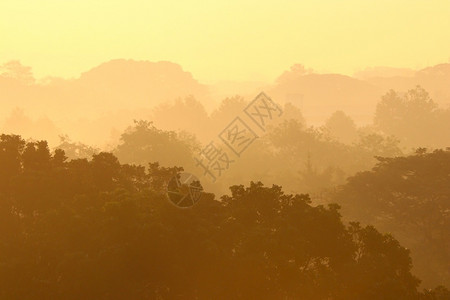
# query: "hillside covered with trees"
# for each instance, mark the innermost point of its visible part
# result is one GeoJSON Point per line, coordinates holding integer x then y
{"type": "Point", "coordinates": [98, 229]}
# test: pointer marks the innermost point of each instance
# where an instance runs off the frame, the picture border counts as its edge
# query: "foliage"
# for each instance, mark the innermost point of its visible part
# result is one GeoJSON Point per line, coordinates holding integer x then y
{"type": "Point", "coordinates": [341, 127]}
{"type": "Point", "coordinates": [144, 143]}
{"type": "Point", "coordinates": [79, 223]}
{"type": "Point", "coordinates": [99, 229]}
{"type": "Point", "coordinates": [318, 162]}
{"type": "Point", "coordinates": [412, 117]}
{"type": "Point", "coordinates": [75, 150]}
{"type": "Point", "coordinates": [409, 197]}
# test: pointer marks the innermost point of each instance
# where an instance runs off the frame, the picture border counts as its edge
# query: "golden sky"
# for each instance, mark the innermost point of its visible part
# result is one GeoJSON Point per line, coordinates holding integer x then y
{"type": "Point", "coordinates": [225, 40]}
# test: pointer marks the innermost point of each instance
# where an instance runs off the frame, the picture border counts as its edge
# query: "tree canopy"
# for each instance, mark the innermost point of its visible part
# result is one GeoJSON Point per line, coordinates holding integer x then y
{"type": "Point", "coordinates": [100, 229]}
{"type": "Point", "coordinates": [409, 197]}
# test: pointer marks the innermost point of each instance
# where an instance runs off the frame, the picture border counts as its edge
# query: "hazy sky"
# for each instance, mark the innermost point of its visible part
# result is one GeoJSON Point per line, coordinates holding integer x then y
{"type": "Point", "coordinates": [232, 39]}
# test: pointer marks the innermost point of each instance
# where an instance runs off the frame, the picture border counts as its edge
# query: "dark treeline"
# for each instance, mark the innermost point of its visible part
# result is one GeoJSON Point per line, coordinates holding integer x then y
{"type": "Point", "coordinates": [409, 197]}
{"type": "Point", "coordinates": [100, 229]}
{"type": "Point", "coordinates": [318, 161]}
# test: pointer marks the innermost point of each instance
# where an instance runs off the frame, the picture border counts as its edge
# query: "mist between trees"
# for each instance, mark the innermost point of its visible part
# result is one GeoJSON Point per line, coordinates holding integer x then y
{"type": "Point", "coordinates": [326, 211]}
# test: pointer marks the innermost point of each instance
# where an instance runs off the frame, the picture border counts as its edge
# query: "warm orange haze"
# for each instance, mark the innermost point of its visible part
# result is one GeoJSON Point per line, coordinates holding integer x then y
{"type": "Point", "coordinates": [225, 149]}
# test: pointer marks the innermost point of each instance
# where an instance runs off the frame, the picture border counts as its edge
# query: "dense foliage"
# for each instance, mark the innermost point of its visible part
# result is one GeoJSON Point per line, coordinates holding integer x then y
{"type": "Point", "coordinates": [99, 229]}
{"type": "Point", "coordinates": [414, 118]}
{"type": "Point", "coordinates": [410, 198]}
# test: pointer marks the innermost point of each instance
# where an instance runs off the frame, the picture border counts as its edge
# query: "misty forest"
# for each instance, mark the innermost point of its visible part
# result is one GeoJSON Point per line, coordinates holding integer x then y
{"type": "Point", "coordinates": [345, 196]}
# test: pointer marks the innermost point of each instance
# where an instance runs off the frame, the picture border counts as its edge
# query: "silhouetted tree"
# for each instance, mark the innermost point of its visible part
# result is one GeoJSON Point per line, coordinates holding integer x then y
{"type": "Point", "coordinates": [414, 118]}
{"type": "Point", "coordinates": [341, 127]}
{"type": "Point", "coordinates": [409, 197]}
{"type": "Point", "coordinates": [99, 229]}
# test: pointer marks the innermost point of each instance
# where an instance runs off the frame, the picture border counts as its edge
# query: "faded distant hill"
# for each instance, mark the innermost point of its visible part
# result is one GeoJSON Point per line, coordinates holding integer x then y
{"type": "Point", "coordinates": [319, 95]}
{"type": "Point", "coordinates": [116, 84]}
{"type": "Point", "coordinates": [115, 92]}
{"type": "Point", "coordinates": [140, 83]}
{"type": "Point", "coordinates": [435, 79]}
{"type": "Point", "coordinates": [105, 100]}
